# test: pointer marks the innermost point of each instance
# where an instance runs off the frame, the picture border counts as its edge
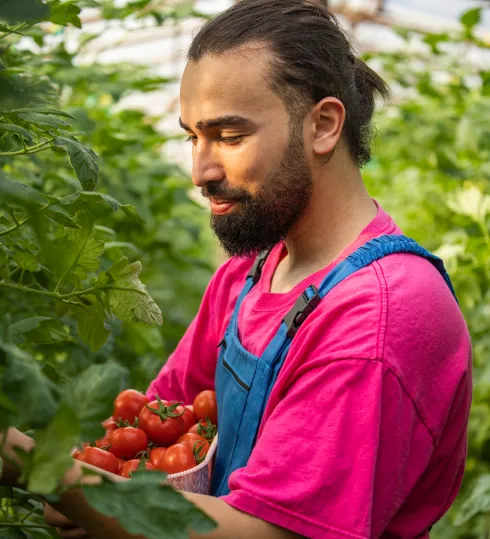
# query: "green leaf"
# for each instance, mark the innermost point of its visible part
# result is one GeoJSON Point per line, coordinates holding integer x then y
{"type": "Point", "coordinates": [471, 18]}
{"type": "Point", "coordinates": [25, 385]}
{"type": "Point", "coordinates": [22, 10]}
{"type": "Point", "coordinates": [132, 213]}
{"type": "Point", "coordinates": [7, 410]}
{"type": "Point", "coordinates": [129, 300]}
{"type": "Point", "coordinates": [38, 330]}
{"type": "Point", "coordinates": [26, 259]}
{"type": "Point", "coordinates": [91, 325]}
{"type": "Point", "coordinates": [145, 506]}
{"type": "Point", "coordinates": [478, 501]}
{"type": "Point", "coordinates": [83, 160]}
{"type": "Point", "coordinates": [36, 118]}
{"type": "Point", "coordinates": [80, 247]}
{"type": "Point", "coordinates": [62, 217]}
{"type": "Point", "coordinates": [65, 13]}
{"type": "Point", "coordinates": [52, 454]}
{"type": "Point", "coordinates": [12, 128]}
{"type": "Point", "coordinates": [89, 197]}
{"type": "Point", "coordinates": [42, 110]}
{"type": "Point", "coordinates": [13, 191]}
{"type": "Point", "coordinates": [92, 396]}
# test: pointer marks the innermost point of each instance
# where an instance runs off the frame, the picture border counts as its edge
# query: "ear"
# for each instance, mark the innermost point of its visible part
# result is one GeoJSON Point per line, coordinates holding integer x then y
{"type": "Point", "coordinates": [328, 117]}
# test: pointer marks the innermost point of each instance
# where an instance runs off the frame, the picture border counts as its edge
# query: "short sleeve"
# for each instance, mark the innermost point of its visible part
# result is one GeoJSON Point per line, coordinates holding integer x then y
{"type": "Point", "coordinates": [340, 452]}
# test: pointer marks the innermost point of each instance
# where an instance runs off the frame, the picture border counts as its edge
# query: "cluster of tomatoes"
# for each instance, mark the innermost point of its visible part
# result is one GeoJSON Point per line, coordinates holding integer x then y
{"type": "Point", "coordinates": [157, 435]}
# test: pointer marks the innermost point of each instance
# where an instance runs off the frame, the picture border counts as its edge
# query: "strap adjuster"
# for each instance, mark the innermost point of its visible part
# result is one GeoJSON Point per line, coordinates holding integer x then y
{"type": "Point", "coordinates": [300, 311]}
{"type": "Point", "coordinates": [256, 270]}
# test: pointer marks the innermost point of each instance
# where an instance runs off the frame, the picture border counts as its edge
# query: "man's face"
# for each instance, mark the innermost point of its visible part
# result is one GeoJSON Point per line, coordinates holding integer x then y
{"type": "Point", "coordinates": [247, 158]}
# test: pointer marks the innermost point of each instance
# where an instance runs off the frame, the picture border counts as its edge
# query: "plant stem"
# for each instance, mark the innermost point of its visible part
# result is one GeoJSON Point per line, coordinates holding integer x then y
{"type": "Point", "coordinates": [27, 515]}
{"type": "Point", "coordinates": [33, 149]}
{"type": "Point", "coordinates": [14, 30]}
{"type": "Point", "coordinates": [28, 218]}
{"type": "Point", "coordinates": [20, 525]}
{"type": "Point", "coordinates": [64, 297]}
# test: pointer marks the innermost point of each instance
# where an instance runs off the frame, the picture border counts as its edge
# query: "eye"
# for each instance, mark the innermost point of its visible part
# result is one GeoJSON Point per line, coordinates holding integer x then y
{"type": "Point", "coordinates": [191, 138]}
{"type": "Point", "coordinates": [231, 140]}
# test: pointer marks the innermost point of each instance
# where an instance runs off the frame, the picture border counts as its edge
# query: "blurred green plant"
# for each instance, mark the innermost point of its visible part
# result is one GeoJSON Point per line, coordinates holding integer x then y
{"type": "Point", "coordinates": [432, 173]}
{"type": "Point", "coordinates": [87, 200]}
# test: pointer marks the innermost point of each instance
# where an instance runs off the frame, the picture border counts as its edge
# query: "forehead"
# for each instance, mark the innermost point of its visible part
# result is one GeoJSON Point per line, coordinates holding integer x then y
{"type": "Point", "coordinates": [235, 82]}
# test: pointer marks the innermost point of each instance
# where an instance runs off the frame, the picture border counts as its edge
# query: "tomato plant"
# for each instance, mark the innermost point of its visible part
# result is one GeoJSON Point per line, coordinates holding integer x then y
{"type": "Point", "coordinates": [87, 206]}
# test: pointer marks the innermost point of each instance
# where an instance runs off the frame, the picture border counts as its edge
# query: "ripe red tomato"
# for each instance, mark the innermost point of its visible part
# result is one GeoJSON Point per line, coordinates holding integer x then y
{"type": "Point", "coordinates": [188, 417]}
{"type": "Point", "coordinates": [156, 454]}
{"type": "Point", "coordinates": [205, 406]}
{"type": "Point", "coordinates": [100, 458]}
{"type": "Point", "coordinates": [103, 442]}
{"type": "Point", "coordinates": [177, 458]}
{"type": "Point", "coordinates": [122, 462]}
{"type": "Point", "coordinates": [195, 427]}
{"type": "Point", "coordinates": [131, 465]}
{"type": "Point", "coordinates": [127, 442]}
{"type": "Point", "coordinates": [128, 404]}
{"type": "Point", "coordinates": [162, 422]}
{"type": "Point", "coordinates": [197, 444]}
{"type": "Point", "coordinates": [109, 425]}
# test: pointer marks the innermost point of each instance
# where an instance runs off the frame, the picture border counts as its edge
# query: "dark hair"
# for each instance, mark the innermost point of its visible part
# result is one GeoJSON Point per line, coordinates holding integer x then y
{"type": "Point", "coordinates": [312, 59]}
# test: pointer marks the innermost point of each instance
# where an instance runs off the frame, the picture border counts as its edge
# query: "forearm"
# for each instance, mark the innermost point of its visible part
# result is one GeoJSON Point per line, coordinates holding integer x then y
{"type": "Point", "coordinates": [232, 524]}
{"type": "Point", "coordinates": [11, 470]}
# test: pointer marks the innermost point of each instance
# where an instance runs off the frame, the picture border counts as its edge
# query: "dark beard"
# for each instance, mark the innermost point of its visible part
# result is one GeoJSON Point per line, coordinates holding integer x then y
{"type": "Point", "coordinates": [260, 221]}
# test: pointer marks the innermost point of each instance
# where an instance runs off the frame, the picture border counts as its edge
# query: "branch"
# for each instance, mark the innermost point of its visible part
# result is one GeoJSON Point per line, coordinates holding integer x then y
{"type": "Point", "coordinates": [17, 225]}
{"type": "Point", "coordinates": [30, 150]}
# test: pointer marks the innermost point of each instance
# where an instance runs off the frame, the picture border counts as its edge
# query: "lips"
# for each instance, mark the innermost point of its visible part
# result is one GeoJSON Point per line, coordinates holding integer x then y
{"type": "Point", "coordinates": [221, 206]}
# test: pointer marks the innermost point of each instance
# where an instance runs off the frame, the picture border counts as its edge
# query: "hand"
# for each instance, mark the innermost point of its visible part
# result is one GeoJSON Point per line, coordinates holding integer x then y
{"type": "Point", "coordinates": [64, 527]}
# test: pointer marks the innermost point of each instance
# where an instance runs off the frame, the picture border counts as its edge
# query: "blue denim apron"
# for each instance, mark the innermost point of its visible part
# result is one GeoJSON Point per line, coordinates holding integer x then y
{"type": "Point", "coordinates": [244, 381]}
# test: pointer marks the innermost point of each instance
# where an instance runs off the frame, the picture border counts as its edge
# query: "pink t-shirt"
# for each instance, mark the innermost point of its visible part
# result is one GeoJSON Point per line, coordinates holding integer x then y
{"type": "Point", "coordinates": [365, 431]}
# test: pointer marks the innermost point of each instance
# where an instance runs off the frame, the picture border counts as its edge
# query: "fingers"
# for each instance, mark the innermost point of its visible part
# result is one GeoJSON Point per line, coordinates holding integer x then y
{"type": "Point", "coordinates": [56, 519]}
{"type": "Point", "coordinates": [74, 532]}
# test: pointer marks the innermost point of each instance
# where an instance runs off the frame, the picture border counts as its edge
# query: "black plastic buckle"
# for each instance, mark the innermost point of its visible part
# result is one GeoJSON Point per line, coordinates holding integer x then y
{"type": "Point", "coordinates": [256, 270]}
{"type": "Point", "coordinates": [300, 311]}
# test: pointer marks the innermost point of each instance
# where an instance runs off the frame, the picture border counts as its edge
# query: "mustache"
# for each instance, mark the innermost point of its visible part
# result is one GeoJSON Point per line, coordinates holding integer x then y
{"type": "Point", "coordinates": [217, 190]}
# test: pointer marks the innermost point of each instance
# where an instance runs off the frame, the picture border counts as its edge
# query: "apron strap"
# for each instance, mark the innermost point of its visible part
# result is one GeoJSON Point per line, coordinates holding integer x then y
{"type": "Point", "coordinates": [364, 256]}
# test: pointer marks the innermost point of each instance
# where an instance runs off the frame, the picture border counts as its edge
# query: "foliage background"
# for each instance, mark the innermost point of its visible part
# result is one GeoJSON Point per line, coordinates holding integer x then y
{"type": "Point", "coordinates": [431, 171]}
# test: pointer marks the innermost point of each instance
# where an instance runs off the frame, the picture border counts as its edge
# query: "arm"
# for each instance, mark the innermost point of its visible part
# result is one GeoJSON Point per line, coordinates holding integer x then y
{"type": "Point", "coordinates": [232, 523]}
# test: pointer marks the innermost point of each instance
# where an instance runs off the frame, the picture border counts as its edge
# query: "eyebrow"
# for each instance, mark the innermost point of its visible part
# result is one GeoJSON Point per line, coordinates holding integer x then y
{"type": "Point", "coordinates": [220, 121]}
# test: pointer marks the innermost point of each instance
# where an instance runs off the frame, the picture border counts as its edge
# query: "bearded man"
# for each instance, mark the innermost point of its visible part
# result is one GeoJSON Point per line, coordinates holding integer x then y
{"type": "Point", "coordinates": [340, 358]}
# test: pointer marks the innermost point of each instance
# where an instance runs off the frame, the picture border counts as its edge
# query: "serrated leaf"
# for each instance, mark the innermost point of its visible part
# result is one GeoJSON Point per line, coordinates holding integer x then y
{"type": "Point", "coordinates": [91, 197]}
{"type": "Point", "coordinates": [62, 217]}
{"type": "Point", "coordinates": [13, 191]}
{"type": "Point", "coordinates": [52, 453]}
{"type": "Point", "coordinates": [129, 300]}
{"type": "Point", "coordinates": [38, 330]}
{"type": "Point", "coordinates": [43, 110]}
{"type": "Point", "coordinates": [143, 506]}
{"type": "Point", "coordinates": [12, 128]}
{"type": "Point", "coordinates": [36, 118]}
{"type": "Point", "coordinates": [22, 10]}
{"type": "Point", "coordinates": [91, 325]}
{"type": "Point", "coordinates": [25, 385]}
{"type": "Point", "coordinates": [132, 213]}
{"type": "Point", "coordinates": [80, 247]}
{"type": "Point", "coordinates": [92, 396]}
{"type": "Point", "coordinates": [471, 18]}
{"type": "Point", "coordinates": [83, 160]}
{"type": "Point", "coordinates": [65, 13]}
{"type": "Point", "coordinates": [26, 259]}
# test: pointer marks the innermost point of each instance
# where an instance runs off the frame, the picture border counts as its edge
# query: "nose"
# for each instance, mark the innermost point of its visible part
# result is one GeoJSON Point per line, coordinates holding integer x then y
{"type": "Point", "coordinates": [206, 165]}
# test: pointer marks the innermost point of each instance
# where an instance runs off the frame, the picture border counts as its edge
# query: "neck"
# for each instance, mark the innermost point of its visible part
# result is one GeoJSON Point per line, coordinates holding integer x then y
{"type": "Point", "coordinates": [340, 208]}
